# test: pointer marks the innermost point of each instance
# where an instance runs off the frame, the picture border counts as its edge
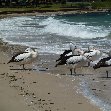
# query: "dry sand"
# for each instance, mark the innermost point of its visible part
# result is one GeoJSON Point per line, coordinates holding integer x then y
{"type": "Point", "coordinates": [24, 90]}
{"type": "Point", "coordinates": [45, 90]}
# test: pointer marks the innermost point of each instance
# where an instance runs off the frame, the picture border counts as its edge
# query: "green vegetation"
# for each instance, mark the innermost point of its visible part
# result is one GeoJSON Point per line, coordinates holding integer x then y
{"type": "Point", "coordinates": [10, 6]}
{"type": "Point", "coordinates": [101, 5]}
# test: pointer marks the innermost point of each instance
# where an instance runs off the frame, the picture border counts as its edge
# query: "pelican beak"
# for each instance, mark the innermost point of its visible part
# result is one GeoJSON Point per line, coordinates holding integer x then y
{"type": "Point", "coordinates": [35, 49]}
{"type": "Point", "coordinates": [56, 65]}
{"type": "Point", "coordinates": [89, 59]}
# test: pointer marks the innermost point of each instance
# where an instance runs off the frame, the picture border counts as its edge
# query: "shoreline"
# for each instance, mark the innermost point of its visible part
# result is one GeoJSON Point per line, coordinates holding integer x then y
{"type": "Point", "coordinates": [50, 13]}
{"type": "Point", "coordinates": [73, 99]}
{"type": "Point", "coordinates": [43, 90]}
{"type": "Point", "coordinates": [79, 101]}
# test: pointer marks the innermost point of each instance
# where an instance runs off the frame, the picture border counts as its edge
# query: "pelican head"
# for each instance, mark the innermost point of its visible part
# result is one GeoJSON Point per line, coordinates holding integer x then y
{"type": "Point", "coordinates": [91, 47]}
{"type": "Point", "coordinates": [28, 50]}
{"type": "Point", "coordinates": [35, 50]}
{"type": "Point", "coordinates": [72, 46]}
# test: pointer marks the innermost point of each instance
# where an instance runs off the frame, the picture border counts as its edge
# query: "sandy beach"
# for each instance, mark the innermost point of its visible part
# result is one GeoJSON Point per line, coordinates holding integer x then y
{"type": "Point", "coordinates": [48, 88]}
{"type": "Point", "coordinates": [35, 90]}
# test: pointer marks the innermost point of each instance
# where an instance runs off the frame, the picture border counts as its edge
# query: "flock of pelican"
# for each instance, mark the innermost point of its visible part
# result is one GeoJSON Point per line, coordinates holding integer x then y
{"type": "Point", "coordinates": [74, 58]}
{"type": "Point", "coordinates": [77, 58]}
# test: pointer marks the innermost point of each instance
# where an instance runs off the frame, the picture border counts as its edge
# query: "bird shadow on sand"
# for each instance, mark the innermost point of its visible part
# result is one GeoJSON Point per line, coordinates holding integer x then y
{"type": "Point", "coordinates": [73, 74]}
{"type": "Point", "coordinates": [29, 69]}
{"type": "Point", "coordinates": [77, 74]}
{"type": "Point", "coordinates": [24, 69]}
{"type": "Point", "coordinates": [105, 77]}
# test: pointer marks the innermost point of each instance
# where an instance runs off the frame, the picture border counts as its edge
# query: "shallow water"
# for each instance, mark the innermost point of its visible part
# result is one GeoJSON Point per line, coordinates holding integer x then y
{"type": "Point", "coordinates": [95, 98]}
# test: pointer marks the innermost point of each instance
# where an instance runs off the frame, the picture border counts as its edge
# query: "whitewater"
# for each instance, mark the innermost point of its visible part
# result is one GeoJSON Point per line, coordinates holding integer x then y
{"type": "Point", "coordinates": [52, 34]}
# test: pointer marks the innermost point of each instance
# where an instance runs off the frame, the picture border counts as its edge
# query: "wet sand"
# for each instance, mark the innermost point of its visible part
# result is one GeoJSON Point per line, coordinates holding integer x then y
{"type": "Point", "coordinates": [47, 88]}
{"type": "Point", "coordinates": [44, 89]}
{"type": "Point", "coordinates": [100, 87]}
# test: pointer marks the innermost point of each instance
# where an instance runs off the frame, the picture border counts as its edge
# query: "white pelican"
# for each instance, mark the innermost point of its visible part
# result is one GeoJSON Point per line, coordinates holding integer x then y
{"type": "Point", "coordinates": [73, 50]}
{"type": "Point", "coordinates": [92, 54]}
{"type": "Point", "coordinates": [26, 57]}
{"type": "Point", "coordinates": [73, 61]}
{"type": "Point", "coordinates": [104, 62]}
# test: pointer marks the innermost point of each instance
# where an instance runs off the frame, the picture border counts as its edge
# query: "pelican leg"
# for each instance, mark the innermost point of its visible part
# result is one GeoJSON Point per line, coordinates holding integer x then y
{"type": "Point", "coordinates": [88, 64]}
{"type": "Point", "coordinates": [107, 74]}
{"type": "Point", "coordinates": [71, 71]}
{"type": "Point", "coordinates": [23, 67]}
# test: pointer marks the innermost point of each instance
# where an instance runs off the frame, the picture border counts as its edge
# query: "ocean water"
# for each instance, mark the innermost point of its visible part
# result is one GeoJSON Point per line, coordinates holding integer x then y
{"type": "Point", "coordinates": [53, 34]}
{"type": "Point", "coordinates": [85, 89]}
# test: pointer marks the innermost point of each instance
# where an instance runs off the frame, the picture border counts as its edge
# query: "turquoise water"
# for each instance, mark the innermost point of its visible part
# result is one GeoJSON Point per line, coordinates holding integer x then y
{"type": "Point", "coordinates": [53, 33]}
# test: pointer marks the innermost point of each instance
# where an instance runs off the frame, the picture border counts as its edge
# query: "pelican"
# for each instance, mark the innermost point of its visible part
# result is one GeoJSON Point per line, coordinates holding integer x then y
{"type": "Point", "coordinates": [72, 50]}
{"type": "Point", "coordinates": [92, 54]}
{"type": "Point", "coordinates": [73, 61]}
{"type": "Point", "coordinates": [104, 62]}
{"type": "Point", "coordinates": [26, 57]}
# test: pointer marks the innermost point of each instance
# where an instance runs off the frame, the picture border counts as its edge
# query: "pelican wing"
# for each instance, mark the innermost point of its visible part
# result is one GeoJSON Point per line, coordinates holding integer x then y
{"type": "Point", "coordinates": [105, 62]}
{"type": "Point", "coordinates": [24, 56]}
{"type": "Point", "coordinates": [91, 53]}
{"type": "Point", "coordinates": [64, 54]}
{"type": "Point", "coordinates": [74, 59]}
{"type": "Point", "coordinates": [88, 51]}
{"type": "Point", "coordinates": [19, 57]}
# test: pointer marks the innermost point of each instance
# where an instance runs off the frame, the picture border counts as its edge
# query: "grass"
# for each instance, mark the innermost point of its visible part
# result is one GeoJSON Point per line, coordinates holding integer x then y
{"type": "Point", "coordinates": [53, 7]}
{"type": "Point", "coordinates": [101, 4]}
{"type": "Point", "coordinates": [58, 7]}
